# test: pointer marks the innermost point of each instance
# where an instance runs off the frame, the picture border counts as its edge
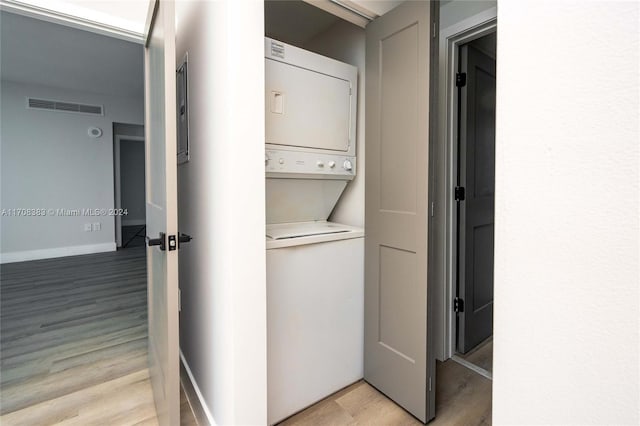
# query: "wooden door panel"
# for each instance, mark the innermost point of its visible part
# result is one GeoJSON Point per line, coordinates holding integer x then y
{"type": "Point", "coordinates": [397, 116]}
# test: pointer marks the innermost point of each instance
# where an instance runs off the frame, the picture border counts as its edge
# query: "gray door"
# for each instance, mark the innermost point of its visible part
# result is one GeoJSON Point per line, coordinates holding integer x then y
{"type": "Point", "coordinates": [477, 175]}
{"type": "Point", "coordinates": [397, 117]}
{"type": "Point", "coordinates": [162, 212]}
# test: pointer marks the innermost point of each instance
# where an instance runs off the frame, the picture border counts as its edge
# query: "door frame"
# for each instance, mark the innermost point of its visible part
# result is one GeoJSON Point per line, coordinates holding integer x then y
{"type": "Point", "coordinates": [451, 38]}
{"type": "Point", "coordinates": [117, 182]}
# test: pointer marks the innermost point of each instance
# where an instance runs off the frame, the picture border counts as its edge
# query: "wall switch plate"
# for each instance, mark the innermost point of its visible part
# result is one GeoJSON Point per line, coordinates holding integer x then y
{"type": "Point", "coordinates": [97, 226]}
{"type": "Point", "coordinates": [87, 227]}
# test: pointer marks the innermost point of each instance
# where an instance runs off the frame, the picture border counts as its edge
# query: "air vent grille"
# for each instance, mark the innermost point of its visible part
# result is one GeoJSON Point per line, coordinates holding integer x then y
{"type": "Point", "coordinates": [64, 106]}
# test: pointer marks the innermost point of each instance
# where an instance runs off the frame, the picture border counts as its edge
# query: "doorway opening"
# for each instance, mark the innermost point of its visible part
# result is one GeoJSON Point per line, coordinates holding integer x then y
{"type": "Point", "coordinates": [129, 185]}
{"type": "Point", "coordinates": [74, 309]}
{"type": "Point", "coordinates": [461, 263]}
{"type": "Point", "coordinates": [474, 196]}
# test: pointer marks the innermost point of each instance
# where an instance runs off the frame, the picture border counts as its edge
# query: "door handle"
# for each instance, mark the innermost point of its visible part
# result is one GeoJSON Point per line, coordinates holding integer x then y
{"type": "Point", "coordinates": [183, 238]}
{"type": "Point", "coordinates": [161, 241]}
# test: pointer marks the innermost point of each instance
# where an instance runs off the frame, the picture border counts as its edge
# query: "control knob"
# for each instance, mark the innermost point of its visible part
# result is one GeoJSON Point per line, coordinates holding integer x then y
{"type": "Point", "coordinates": [319, 163]}
{"type": "Point", "coordinates": [347, 165]}
{"type": "Point", "coordinates": [332, 164]}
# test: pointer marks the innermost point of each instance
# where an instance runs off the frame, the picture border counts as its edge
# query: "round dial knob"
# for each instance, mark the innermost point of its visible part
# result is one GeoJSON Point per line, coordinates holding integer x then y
{"type": "Point", "coordinates": [347, 165]}
{"type": "Point", "coordinates": [319, 163]}
{"type": "Point", "coordinates": [332, 164]}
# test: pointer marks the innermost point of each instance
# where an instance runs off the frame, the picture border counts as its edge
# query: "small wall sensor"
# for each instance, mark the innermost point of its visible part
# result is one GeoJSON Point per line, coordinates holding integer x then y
{"type": "Point", "coordinates": [95, 132]}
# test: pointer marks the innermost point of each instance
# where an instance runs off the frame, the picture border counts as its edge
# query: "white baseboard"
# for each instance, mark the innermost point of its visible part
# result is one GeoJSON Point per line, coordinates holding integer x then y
{"type": "Point", "coordinates": [133, 222]}
{"type": "Point", "coordinates": [22, 256]}
{"type": "Point", "coordinates": [194, 385]}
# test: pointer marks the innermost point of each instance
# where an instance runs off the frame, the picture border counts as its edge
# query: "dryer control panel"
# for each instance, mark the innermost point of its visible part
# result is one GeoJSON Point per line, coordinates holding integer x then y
{"type": "Point", "coordinates": [318, 166]}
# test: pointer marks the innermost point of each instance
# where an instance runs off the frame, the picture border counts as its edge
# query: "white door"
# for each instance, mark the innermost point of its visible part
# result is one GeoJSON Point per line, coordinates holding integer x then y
{"type": "Point", "coordinates": [162, 215]}
{"type": "Point", "coordinates": [397, 158]}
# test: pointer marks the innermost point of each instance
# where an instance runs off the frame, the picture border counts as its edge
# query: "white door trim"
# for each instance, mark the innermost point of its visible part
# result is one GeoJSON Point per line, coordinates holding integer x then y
{"type": "Point", "coordinates": [117, 190]}
{"type": "Point", "coordinates": [451, 38]}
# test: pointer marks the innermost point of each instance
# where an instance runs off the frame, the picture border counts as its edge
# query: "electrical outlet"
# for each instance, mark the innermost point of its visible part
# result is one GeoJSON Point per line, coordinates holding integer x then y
{"type": "Point", "coordinates": [87, 227]}
{"type": "Point", "coordinates": [97, 226]}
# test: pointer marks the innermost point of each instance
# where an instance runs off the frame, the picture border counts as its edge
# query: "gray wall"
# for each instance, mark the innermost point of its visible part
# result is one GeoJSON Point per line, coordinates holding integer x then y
{"type": "Point", "coordinates": [132, 181]}
{"type": "Point", "coordinates": [49, 161]}
{"type": "Point", "coordinates": [452, 12]}
{"type": "Point", "coordinates": [125, 129]}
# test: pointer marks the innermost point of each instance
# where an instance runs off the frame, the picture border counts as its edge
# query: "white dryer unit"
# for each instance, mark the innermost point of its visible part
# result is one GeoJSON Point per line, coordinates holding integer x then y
{"type": "Point", "coordinates": [315, 268]}
{"type": "Point", "coordinates": [311, 101]}
{"type": "Point", "coordinates": [310, 132]}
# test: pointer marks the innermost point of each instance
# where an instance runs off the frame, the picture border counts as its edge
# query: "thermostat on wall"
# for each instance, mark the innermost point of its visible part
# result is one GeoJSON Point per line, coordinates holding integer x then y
{"type": "Point", "coordinates": [95, 132]}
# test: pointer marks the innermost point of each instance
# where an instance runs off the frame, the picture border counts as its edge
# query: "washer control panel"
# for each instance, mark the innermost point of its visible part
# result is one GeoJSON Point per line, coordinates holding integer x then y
{"type": "Point", "coordinates": [281, 161]}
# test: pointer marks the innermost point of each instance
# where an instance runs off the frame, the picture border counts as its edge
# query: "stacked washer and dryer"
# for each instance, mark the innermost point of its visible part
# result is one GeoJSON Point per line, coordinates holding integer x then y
{"type": "Point", "coordinates": [315, 282]}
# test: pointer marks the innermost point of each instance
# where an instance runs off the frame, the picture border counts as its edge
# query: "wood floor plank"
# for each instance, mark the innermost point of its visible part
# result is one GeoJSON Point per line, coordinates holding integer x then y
{"type": "Point", "coordinates": [482, 356]}
{"type": "Point", "coordinates": [368, 406]}
{"type": "Point", "coordinates": [463, 398]}
{"type": "Point", "coordinates": [73, 335]}
{"type": "Point", "coordinates": [72, 408]}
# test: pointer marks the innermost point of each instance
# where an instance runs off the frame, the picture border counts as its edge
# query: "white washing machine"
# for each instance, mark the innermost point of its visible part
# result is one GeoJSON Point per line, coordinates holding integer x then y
{"type": "Point", "coordinates": [315, 268]}
{"type": "Point", "coordinates": [315, 312]}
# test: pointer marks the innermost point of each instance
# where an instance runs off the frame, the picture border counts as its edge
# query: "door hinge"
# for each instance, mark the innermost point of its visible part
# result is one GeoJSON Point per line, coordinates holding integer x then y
{"type": "Point", "coordinates": [461, 79]}
{"type": "Point", "coordinates": [432, 209]}
{"type": "Point", "coordinates": [434, 29]}
{"type": "Point", "coordinates": [458, 305]}
{"type": "Point", "coordinates": [429, 384]}
{"type": "Point", "coordinates": [458, 193]}
{"type": "Point", "coordinates": [179, 300]}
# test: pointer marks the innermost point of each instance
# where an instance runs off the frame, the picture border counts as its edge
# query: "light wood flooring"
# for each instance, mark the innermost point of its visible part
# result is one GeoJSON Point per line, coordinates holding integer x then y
{"type": "Point", "coordinates": [73, 342]}
{"type": "Point", "coordinates": [73, 351]}
{"type": "Point", "coordinates": [463, 397]}
{"type": "Point", "coordinates": [482, 355]}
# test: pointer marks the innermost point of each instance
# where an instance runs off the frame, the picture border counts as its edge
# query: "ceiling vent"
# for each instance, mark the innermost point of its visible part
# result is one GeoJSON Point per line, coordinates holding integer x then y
{"type": "Point", "coordinates": [64, 106]}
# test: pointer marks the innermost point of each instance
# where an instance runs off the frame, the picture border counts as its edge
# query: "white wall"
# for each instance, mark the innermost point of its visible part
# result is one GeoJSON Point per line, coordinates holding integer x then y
{"type": "Point", "coordinates": [346, 42]}
{"type": "Point", "coordinates": [50, 162]}
{"type": "Point", "coordinates": [221, 204]}
{"type": "Point", "coordinates": [566, 330]}
{"type": "Point", "coordinates": [132, 182]}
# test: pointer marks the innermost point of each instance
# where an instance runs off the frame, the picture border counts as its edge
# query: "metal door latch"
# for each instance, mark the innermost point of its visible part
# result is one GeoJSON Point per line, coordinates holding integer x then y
{"type": "Point", "coordinates": [161, 241]}
{"type": "Point", "coordinates": [183, 238]}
